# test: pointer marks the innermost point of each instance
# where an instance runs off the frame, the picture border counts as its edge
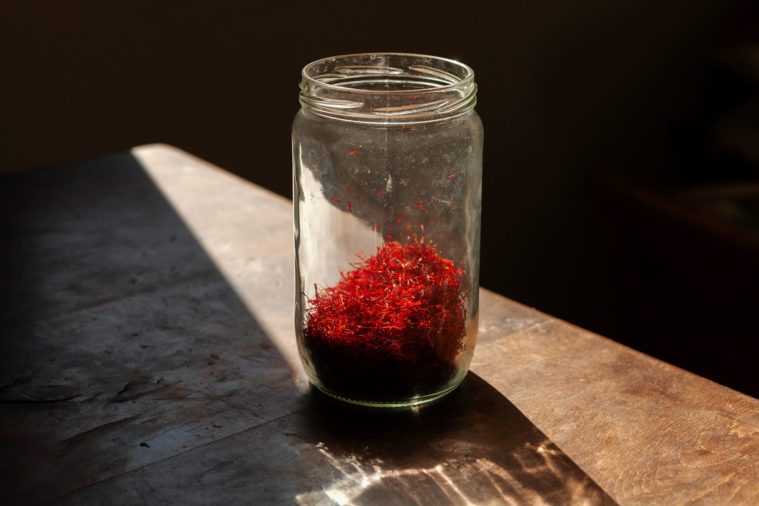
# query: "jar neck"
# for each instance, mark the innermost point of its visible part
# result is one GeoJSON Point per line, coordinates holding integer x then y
{"type": "Point", "coordinates": [387, 88]}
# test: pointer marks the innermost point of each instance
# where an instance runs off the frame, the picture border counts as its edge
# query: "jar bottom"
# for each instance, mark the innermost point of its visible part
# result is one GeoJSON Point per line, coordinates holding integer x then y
{"type": "Point", "coordinates": [401, 402]}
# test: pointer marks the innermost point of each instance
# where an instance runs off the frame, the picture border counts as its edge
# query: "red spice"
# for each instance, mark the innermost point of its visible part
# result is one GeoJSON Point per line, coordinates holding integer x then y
{"type": "Point", "coordinates": [393, 325]}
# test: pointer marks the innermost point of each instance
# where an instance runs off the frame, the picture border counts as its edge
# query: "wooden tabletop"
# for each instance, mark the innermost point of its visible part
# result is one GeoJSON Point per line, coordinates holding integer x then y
{"type": "Point", "coordinates": [148, 355]}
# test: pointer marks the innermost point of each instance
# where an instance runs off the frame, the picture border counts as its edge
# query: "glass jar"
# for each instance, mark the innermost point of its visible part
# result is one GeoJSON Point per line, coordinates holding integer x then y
{"type": "Point", "coordinates": [387, 180]}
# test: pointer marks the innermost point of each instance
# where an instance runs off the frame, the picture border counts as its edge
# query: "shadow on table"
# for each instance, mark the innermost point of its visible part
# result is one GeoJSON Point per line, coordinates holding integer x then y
{"type": "Point", "coordinates": [121, 342]}
{"type": "Point", "coordinates": [472, 447]}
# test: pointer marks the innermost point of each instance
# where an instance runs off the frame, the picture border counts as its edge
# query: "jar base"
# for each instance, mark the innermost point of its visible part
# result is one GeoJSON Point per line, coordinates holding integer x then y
{"type": "Point", "coordinates": [404, 403]}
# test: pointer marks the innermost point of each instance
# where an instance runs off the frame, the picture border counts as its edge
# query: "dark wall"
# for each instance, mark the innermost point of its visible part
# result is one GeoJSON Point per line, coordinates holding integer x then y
{"type": "Point", "coordinates": [568, 91]}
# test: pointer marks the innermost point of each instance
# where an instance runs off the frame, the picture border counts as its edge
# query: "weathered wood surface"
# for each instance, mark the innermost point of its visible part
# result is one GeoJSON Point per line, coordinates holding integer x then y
{"type": "Point", "coordinates": [147, 355]}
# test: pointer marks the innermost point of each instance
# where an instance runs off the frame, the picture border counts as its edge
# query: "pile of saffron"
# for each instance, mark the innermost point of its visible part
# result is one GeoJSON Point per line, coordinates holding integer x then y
{"type": "Point", "coordinates": [392, 326]}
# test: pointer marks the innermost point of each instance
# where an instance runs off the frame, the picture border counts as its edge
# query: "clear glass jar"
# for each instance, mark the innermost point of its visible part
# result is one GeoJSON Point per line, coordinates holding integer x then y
{"type": "Point", "coordinates": [387, 179]}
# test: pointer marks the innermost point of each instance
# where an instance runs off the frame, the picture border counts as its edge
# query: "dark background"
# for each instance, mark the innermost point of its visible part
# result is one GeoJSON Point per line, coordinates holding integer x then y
{"type": "Point", "coordinates": [621, 185]}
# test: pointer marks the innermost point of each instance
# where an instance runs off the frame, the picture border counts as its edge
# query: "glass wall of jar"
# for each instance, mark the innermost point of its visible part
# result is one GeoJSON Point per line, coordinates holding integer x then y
{"type": "Point", "coordinates": [387, 178]}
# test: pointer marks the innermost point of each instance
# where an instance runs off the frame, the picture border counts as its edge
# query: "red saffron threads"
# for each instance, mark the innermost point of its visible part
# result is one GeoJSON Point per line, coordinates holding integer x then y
{"type": "Point", "coordinates": [419, 207]}
{"type": "Point", "coordinates": [379, 193]}
{"type": "Point", "coordinates": [353, 152]}
{"type": "Point", "coordinates": [392, 325]}
{"type": "Point", "coordinates": [452, 175]}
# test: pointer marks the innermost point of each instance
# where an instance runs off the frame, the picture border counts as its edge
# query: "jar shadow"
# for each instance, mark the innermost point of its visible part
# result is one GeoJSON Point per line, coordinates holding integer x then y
{"type": "Point", "coordinates": [472, 446]}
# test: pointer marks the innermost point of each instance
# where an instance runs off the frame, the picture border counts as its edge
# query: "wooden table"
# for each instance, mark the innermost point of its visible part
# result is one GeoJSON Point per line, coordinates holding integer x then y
{"type": "Point", "coordinates": [148, 356]}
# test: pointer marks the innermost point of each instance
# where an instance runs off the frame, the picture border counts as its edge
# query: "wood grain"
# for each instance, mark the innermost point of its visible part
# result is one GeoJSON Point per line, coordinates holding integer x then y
{"type": "Point", "coordinates": [148, 356]}
{"type": "Point", "coordinates": [647, 432]}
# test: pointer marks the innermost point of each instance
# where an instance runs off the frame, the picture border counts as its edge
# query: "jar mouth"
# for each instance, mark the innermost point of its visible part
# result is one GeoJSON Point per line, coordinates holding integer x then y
{"type": "Point", "coordinates": [388, 87]}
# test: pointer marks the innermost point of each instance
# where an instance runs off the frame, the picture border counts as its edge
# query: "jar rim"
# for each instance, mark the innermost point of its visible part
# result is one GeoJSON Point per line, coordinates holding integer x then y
{"type": "Point", "coordinates": [388, 87]}
{"type": "Point", "coordinates": [466, 79]}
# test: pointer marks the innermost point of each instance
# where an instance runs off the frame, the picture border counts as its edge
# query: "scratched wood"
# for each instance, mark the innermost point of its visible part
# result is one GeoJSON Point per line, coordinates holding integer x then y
{"type": "Point", "coordinates": [147, 355]}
